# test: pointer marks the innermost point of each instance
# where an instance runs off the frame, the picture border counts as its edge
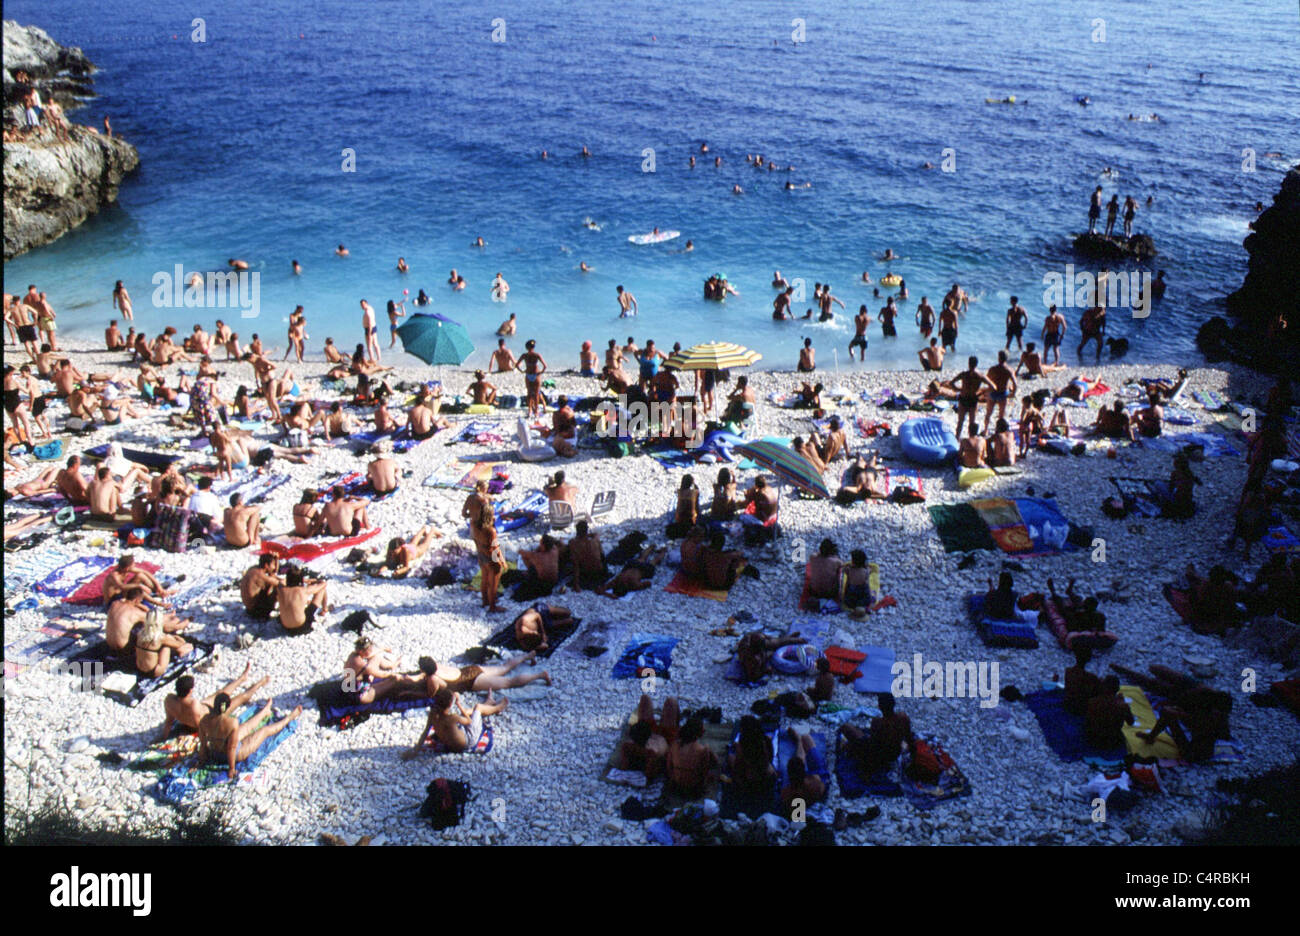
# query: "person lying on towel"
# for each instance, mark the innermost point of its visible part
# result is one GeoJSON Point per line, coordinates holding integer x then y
{"type": "Point", "coordinates": [186, 709]}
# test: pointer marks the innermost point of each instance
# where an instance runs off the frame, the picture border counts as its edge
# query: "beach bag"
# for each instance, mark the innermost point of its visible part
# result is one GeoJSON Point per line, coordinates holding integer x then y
{"type": "Point", "coordinates": [171, 528]}
{"type": "Point", "coordinates": [444, 806]}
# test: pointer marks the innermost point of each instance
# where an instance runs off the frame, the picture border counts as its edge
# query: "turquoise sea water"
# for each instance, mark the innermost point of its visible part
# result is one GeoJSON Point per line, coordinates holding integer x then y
{"type": "Point", "coordinates": [242, 141]}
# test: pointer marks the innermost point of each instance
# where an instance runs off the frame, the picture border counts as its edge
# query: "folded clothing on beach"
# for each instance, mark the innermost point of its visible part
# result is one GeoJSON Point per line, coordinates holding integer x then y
{"type": "Point", "coordinates": [339, 708]}
{"type": "Point", "coordinates": [126, 685]}
{"type": "Point", "coordinates": [645, 652]}
{"type": "Point", "coordinates": [1019, 631]}
{"type": "Point", "coordinates": [67, 578]}
{"type": "Point", "coordinates": [1064, 732]}
{"type": "Point", "coordinates": [185, 779]}
{"type": "Point", "coordinates": [309, 550]}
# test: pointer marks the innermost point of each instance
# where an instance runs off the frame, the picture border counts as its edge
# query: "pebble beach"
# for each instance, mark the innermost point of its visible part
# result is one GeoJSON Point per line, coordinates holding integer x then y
{"type": "Point", "coordinates": [542, 783]}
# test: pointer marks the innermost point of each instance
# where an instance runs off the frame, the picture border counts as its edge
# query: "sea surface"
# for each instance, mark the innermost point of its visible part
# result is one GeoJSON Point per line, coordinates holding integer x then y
{"type": "Point", "coordinates": [243, 141]}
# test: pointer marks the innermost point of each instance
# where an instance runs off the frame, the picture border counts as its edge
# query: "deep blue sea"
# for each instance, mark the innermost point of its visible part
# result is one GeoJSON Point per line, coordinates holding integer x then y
{"type": "Point", "coordinates": [241, 141]}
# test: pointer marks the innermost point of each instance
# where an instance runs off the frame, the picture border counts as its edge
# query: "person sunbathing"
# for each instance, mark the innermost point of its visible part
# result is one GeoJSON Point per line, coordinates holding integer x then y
{"type": "Point", "coordinates": [1080, 685]}
{"type": "Point", "coordinates": [823, 687]}
{"type": "Point", "coordinates": [531, 626]}
{"type": "Point", "coordinates": [242, 523]}
{"type": "Point", "coordinates": [155, 647]}
{"type": "Point", "coordinates": [754, 652]}
{"type": "Point", "coordinates": [371, 673]}
{"type": "Point", "coordinates": [749, 766]}
{"type": "Point", "coordinates": [454, 732]}
{"type": "Point", "coordinates": [801, 788]}
{"type": "Point", "coordinates": [184, 709]}
{"type": "Point", "coordinates": [823, 571]}
{"type": "Point", "coordinates": [588, 558]}
{"type": "Point", "coordinates": [834, 446]}
{"type": "Point", "coordinates": [973, 449]}
{"type": "Point", "coordinates": [879, 748]}
{"type": "Point", "coordinates": [692, 550]}
{"type": "Point", "coordinates": [809, 451]}
{"type": "Point", "coordinates": [543, 563]}
{"type": "Point", "coordinates": [343, 515]}
{"type": "Point", "coordinates": [125, 621]}
{"type": "Point", "coordinates": [482, 391]}
{"type": "Point", "coordinates": [259, 587]}
{"type": "Point", "coordinates": [1002, 446]}
{"type": "Point", "coordinates": [401, 556]}
{"type": "Point", "coordinates": [725, 501]}
{"type": "Point", "coordinates": [643, 751]}
{"type": "Point", "coordinates": [810, 396]}
{"type": "Point", "coordinates": [687, 512]}
{"type": "Point", "coordinates": [563, 429]}
{"type": "Point", "coordinates": [855, 584]}
{"type": "Point", "coordinates": [1106, 715]}
{"type": "Point", "coordinates": [763, 501]}
{"type": "Point", "coordinates": [1215, 600]}
{"type": "Point", "coordinates": [105, 498]}
{"type": "Point", "coordinates": [223, 740]}
{"type": "Point", "coordinates": [126, 574]}
{"type": "Point", "coordinates": [71, 484]}
{"type": "Point", "coordinates": [1000, 601]}
{"type": "Point", "coordinates": [1031, 425]}
{"type": "Point", "coordinates": [636, 575]}
{"type": "Point", "coordinates": [301, 600]}
{"type": "Point", "coordinates": [1114, 423]}
{"type": "Point", "coordinates": [721, 565]}
{"type": "Point", "coordinates": [424, 418]}
{"type": "Point", "coordinates": [691, 765]}
{"type": "Point", "coordinates": [1194, 714]}
{"type": "Point", "coordinates": [864, 481]}
{"type": "Point", "coordinates": [382, 472]}
{"type": "Point", "coordinates": [557, 488]}
{"type": "Point", "coordinates": [480, 678]}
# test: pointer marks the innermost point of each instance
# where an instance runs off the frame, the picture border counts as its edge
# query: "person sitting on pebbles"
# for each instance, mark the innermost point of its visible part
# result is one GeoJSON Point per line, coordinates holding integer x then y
{"type": "Point", "coordinates": [155, 648]}
{"type": "Point", "coordinates": [225, 741]}
{"type": "Point", "coordinates": [184, 709]}
{"type": "Point", "coordinates": [454, 732]}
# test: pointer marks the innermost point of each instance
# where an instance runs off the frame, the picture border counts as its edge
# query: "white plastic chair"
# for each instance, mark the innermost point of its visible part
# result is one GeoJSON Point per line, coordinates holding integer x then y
{"type": "Point", "coordinates": [560, 514]}
{"type": "Point", "coordinates": [603, 504]}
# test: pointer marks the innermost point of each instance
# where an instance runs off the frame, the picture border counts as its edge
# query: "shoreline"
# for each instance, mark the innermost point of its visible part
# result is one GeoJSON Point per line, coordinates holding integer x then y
{"type": "Point", "coordinates": [548, 752]}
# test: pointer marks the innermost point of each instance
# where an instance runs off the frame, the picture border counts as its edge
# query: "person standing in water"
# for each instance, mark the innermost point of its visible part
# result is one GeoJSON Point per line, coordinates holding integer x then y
{"type": "Point", "coordinates": [627, 303]}
{"type": "Point", "coordinates": [925, 317]}
{"type": "Point", "coordinates": [860, 323]}
{"type": "Point", "coordinates": [948, 326]}
{"type": "Point", "coordinates": [1017, 321]}
{"type": "Point", "coordinates": [122, 301]}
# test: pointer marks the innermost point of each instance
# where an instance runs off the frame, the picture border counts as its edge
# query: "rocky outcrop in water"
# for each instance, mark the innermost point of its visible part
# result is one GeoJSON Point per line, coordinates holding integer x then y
{"type": "Point", "coordinates": [1271, 290]}
{"type": "Point", "coordinates": [1096, 246]}
{"type": "Point", "coordinates": [60, 173]}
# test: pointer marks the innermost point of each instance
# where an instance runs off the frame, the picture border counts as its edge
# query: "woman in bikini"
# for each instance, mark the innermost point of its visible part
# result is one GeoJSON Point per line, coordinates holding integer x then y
{"type": "Point", "coordinates": [155, 647]}
{"type": "Point", "coordinates": [402, 556]}
{"type": "Point", "coordinates": [479, 678]}
{"type": "Point", "coordinates": [224, 741]}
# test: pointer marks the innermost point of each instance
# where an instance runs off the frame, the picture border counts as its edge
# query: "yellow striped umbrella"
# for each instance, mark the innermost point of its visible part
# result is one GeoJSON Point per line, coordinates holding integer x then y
{"type": "Point", "coordinates": [712, 355]}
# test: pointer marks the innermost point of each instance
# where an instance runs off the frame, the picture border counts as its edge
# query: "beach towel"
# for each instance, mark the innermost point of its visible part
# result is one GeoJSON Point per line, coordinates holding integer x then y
{"type": "Point", "coordinates": [1209, 399]}
{"type": "Point", "coordinates": [154, 461]}
{"type": "Point", "coordinates": [504, 639]}
{"type": "Point", "coordinates": [669, 459]}
{"type": "Point", "coordinates": [904, 485]}
{"type": "Point", "coordinates": [1017, 632]}
{"type": "Point", "coordinates": [482, 471]}
{"type": "Point", "coordinates": [196, 591]}
{"type": "Point", "coordinates": [129, 687]}
{"type": "Point", "coordinates": [92, 591]}
{"type": "Point", "coordinates": [960, 528]}
{"type": "Point", "coordinates": [339, 709]}
{"type": "Point", "coordinates": [67, 578]}
{"type": "Point", "coordinates": [682, 584]}
{"type": "Point", "coordinates": [472, 430]}
{"type": "Point", "coordinates": [310, 550]}
{"type": "Point", "coordinates": [853, 784]}
{"type": "Point", "coordinates": [1025, 526]}
{"type": "Point", "coordinates": [877, 670]}
{"type": "Point", "coordinates": [783, 749]}
{"type": "Point", "coordinates": [1215, 445]}
{"type": "Point", "coordinates": [255, 487]}
{"type": "Point", "coordinates": [55, 640]}
{"type": "Point", "coordinates": [950, 783]}
{"type": "Point", "coordinates": [1064, 732]}
{"type": "Point", "coordinates": [643, 652]}
{"type": "Point", "coordinates": [1138, 496]}
{"type": "Point", "coordinates": [1163, 748]}
{"type": "Point", "coordinates": [1280, 539]}
{"type": "Point", "coordinates": [185, 779]}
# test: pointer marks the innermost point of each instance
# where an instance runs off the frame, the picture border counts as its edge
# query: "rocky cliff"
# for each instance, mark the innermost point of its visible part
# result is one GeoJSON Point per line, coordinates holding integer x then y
{"type": "Point", "coordinates": [56, 175]}
{"type": "Point", "coordinates": [1271, 288]}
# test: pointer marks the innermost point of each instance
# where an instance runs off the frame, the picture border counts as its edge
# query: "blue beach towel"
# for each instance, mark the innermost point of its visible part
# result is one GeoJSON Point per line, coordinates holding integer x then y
{"type": "Point", "coordinates": [645, 651]}
{"type": "Point", "coordinates": [1063, 732]}
{"type": "Point", "coordinates": [70, 576]}
{"type": "Point", "coordinates": [877, 670]}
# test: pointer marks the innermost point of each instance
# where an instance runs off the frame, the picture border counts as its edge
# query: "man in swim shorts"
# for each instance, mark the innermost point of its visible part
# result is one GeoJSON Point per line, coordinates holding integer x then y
{"type": "Point", "coordinates": [1017, 320]}
{"type": "Point", "coordinates": [968, 385]}
{"type": "Point", "coordinates": [1053, 334]}
{"type": "Point", "coordinates": [860, 323]}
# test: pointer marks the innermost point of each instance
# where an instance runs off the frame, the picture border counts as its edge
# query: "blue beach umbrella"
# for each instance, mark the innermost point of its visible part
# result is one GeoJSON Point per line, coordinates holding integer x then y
{"type": "Point", "coordinates": [435, 339]}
